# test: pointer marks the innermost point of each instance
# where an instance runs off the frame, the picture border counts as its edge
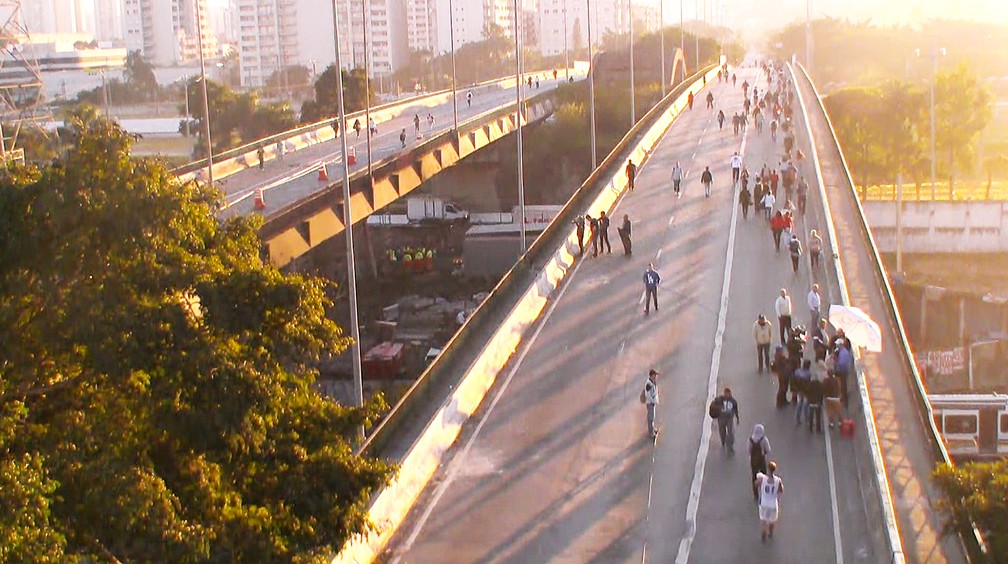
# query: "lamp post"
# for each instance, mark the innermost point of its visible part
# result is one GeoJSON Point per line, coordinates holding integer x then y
{"type": "Point", "coordinates": [451, 37]}
{"type": "Point", "coordinates": [682, 38]}
{"type": "Point", "coordinates": [518, 121]}
{"type": "Point", "coordinates": [696, 34]}
{"type": "Point", "coordinates": [661, 29]}
{"type": "Point", "coordinates": [348, 226]}
{"type": "Point", "coordinates": [591, 90]}
{"type": "Point", "coordinates": [633, 105]}
{"type": "Point", "coordinates": [365, 8]}
{"type": "Point", "coordinates": [808, 35]}
{"type": "Point", "coordinates": [934, 77]}
{"type": "Point", "coordinates": [566, 50]}
{"type": "Point", "coordinates": [206, 98]}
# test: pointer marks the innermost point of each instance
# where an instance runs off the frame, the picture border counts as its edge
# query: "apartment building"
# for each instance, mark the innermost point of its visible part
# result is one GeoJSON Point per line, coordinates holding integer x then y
{"type": "Point", "coordinates": [609, 17]}
{"type": "Point", "coordinates": [145, 30]}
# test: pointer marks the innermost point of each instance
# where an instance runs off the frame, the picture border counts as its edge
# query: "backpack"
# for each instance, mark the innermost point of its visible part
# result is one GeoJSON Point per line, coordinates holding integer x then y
{"type": "Point", "coordinates": [756, 451]}
{"type": "Point", "coordinates": [714, 409]}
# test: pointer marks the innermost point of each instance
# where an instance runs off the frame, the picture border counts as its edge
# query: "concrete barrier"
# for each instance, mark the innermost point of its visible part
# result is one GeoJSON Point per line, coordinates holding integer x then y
{"type": "Point", "coordinates": [940, 227]}
{"type": "Point", "coordinates": [878, 465]}
{"type": "Point", "coordinates": [557, 249]}
{"type": "Point", "coordinates": [246, 156]}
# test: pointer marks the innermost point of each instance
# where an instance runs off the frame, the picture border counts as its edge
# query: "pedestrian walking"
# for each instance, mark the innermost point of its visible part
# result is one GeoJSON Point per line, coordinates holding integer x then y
{"type": "Point", "coordinates": [416, 124]}
{"type": "Point", "coordinates": [727, 408]}
{"type": "Point", "coordinates": [603, 232]}
{"type": "Point", "coordinates": [799, 388]}
{"type": "Point", "coordinates": [579, 225]}
{"type": "Point", "coordinates": [777, 224]}
{"type": "Point", "coordinates": [781, 368]}
{"type": "Point", "coordinates": [762, 335]}
{"type": "Point", "coordinates": [720, 119]}
{"type": "Point", "coordinates": [820, 340]}
{"type": "Point", "coordinates": [676, 178]}
{"type": "Point", "coordinates": [624, 234]}
{"type": "Point", "coordinates": [689, 100]}
{"type": "Point", "coordinates": [745, 176]}
{"type": "Point", "coordinates": [280, 150]}
{"type": "Point", "coordinates": [814, 301]}
{"type": "Point", "coordinates": [593, 225]}
{"type": "Point", "coordinates": [814, 248]}
{"type": "Point", "coordinates": [795, 249]}
{"type": "Point", "coordinates": [430, 123]}
{"type": "Point", "coordinates": [631, 173]}
{"type": "Point", "coordinates": [745, 200]}
{"type": "Point", "coordinates": [770, 488]}
{"type": "Point", "coordinates": [706, 179]}
{"type": "Point", "coordinates": [736, 168]}
{"type": "Point", "coordinates": [844, 368]}
{"type": "Point", "coordinates": [651, 281]}
{"type": "Point", "coordinates": [802, 195]}
{"type": "Point", "coordinates": [469, 99]}
{"type": "Point", "coordinates": [357, 127]}
{"type": "Point", "coordinates": [814, 392]}
{"type": "Point", "coordinates": [768, 201]}
{"type": "Point", "coordinates": [735, 121]}
{"type": "Point", "coordinates": [831, 389]}
{"type": "Point", "coordinates": [261, 153]}
{"type": "Point", "coordinates": [402, 137]}
{"type": "Point", "coordinates": [710, 100]}
{"type": "Point", "coordinates": [649, 397]}
{"type": "Point", "coordinates": [759, 454]}
{"type": "Point", "coordinates": [372, 127]}
{"type": "Point", "coordinates": [782, 306]}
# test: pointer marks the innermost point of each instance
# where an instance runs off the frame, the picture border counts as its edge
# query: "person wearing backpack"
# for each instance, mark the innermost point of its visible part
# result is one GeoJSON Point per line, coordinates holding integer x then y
{"type": "Point", "coordinates": [649, 397]}
{"type": "Point", "coordinates": [759, 453]}
{"type": "Point", "coordinates": [794, 246]}
{"type": "Point", "coordinates": [727, 416]}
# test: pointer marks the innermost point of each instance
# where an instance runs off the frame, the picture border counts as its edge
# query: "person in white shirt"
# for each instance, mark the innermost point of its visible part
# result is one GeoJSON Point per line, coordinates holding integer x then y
{"type": "Point", "coordinates": [768, 202]}
{"type": "Point", "coordinates": [814, 305]}
{"type": "Point", "coordinates": [770, 488]}
{"type": "Point", "coordinates": [649, 397]}
{"type": "Point", "coordinates": [783, 309]}
{"type": "Point", "coordinates": [676, 178]}
{"type": "Point", "coordinates": [736, 167]}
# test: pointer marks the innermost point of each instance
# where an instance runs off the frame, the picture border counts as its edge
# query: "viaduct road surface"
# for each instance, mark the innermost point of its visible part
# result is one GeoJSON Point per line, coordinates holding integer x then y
{"type": "Point", "coordinates": [557, 464]}
{"type": "Point", "coordinates": [296, 176]}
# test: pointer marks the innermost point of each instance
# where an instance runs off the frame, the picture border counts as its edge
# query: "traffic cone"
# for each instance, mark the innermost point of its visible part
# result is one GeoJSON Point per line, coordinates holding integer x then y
{"type": "Point", "coordinates": [260, 199]}
{"type": "Point", "coordinates": [352, 156]}
{"type": "Point", "coordinates": [323, 174]}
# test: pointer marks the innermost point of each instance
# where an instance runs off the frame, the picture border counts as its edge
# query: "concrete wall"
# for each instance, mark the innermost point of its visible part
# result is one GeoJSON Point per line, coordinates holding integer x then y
{"type": "Point", "coordinates": [941, 227]}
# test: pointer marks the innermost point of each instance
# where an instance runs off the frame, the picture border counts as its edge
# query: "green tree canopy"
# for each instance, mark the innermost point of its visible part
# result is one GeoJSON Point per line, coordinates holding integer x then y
{"type": "Point", "coordinates": [325, 104]}
{"type": "Point", "coordinates": [236, 118]}
{"type": "Point", "coordinates": [978, 491]}
{"type": "Point", "coordinates": [156, 382]}
{"type": "Point", "coordinates": [963, 108]}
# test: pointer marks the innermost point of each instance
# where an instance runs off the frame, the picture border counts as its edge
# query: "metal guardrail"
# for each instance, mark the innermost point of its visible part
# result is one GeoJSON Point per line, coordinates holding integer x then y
{"type": "Point", "coordinates": [235, 152]}
{"type": "Point", "coordinates": [974, 539]}
{"type": "Point", "coordinates": [451, 364]}
{"type": "Point", "coordinates": [279, 216]}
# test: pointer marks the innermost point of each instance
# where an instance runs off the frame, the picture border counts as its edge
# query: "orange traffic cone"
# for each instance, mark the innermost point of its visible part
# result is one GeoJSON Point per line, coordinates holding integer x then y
{"type": "Point", "coordinates": [352, 156]}
{"type": "Point", "coordinates": [260, 199]}
{"type": "Point", "coordinates": [323, 174]}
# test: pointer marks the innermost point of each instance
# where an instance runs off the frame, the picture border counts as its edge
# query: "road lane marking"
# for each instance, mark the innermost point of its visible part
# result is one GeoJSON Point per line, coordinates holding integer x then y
{"type": "Point", "coordinates": [670, 220]}
{"type": "Point", "coordinates": [459, 461]}
{"type": "Point", "coordinates": [700, 467]}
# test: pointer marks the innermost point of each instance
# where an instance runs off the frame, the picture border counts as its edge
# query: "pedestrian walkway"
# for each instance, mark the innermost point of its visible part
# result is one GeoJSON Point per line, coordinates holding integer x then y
{"type": "Point", "coordinates": [558, 464]}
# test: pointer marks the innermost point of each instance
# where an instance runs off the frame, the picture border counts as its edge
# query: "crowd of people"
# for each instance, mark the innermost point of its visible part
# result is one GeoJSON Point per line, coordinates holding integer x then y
{"type": "Point", "coordinates": [812, 367]}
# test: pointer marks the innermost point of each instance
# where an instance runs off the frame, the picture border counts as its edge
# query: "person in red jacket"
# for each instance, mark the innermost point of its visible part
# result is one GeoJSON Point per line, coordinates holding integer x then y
{"type": "Point", "coordinates": [777, 225]}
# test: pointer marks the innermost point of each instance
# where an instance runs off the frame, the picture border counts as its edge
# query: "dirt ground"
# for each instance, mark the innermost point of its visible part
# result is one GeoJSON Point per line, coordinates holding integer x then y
{"type": "Point", "coordinates": [977, 274]}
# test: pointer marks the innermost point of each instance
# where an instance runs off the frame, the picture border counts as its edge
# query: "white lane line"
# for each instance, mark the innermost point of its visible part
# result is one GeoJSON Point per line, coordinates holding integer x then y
{"type": "Point", "coordinates": [671, 219]}
{"type": "Point", "coordinates": [693, 504]}
{"type": "Point", "coordinates": [459, 461]}
{"type": "Point", "coordinates": [658, 254]}
{"type": "Point", "coordinates": [837, 544]}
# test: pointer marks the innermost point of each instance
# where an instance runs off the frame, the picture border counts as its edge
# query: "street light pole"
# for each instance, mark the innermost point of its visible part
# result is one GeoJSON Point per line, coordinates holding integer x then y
{"type": "Point", "coordinates": [591, 90]}
{"type": "Point", "coordinates": [355, 352]}
{"type": "Point", "coordinates": [696, 33]}
{"type": "Point", "coordinates": [566, 50]}
{"type": "Point", "coordinates": [206, 98]}
{"type": "Point", "coordinates": [633, 105]}
{"type": "Point", "coordinates": [808, 35]}
{"type": "Point", "coordinates": [451, 37]}
{"type": "Point", "coordinates": [661, 29]}
{"type": "Point", "coordinates": [518, 122]}
{"type": "Point", "coordinates": [365, 8]}
{"type": "Point", "coordinates": [682, 38]}
{"type": "Point", "coordinates": [934, 77]}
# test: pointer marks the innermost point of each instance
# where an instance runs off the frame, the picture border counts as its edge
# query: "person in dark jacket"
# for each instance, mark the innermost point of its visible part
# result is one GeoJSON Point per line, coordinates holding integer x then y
{"type": "Point", "coordinates": [593, 233]}
{"type": "Point", "coordinates": [651, 281]}
{"type": "Point", "coordinates": [814, 395]}
{"type": "Point", "coordinates": [603, 232]}
{"type": "Point", "coordinates": [781, 367]}
{"type": "Point", "coordinates": [820, 340]}
{"type": "Point", "coordinates": [579, 224]}
{"type": "Point", "coordinates": [624, 233]}
{"type": "Point", "coordinates": [745, 200]}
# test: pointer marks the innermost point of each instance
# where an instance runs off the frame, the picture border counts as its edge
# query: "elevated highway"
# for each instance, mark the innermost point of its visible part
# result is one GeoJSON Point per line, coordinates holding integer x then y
{"type": "Point", "coordinates": [539, 452]}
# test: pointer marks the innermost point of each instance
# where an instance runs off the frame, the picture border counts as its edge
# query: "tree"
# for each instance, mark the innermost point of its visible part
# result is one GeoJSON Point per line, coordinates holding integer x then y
{"type": "Point", "coordinates": [156, 390]}
{"type": "Point", "coordinates": [235, 118]}
{"type": "Point", "coordinates": [978, 491]}
{"type": "Point", "coordinates": [325, 103]}
{"type": "Point", "coordinates": [140, 74]}
{"type": "Point", "coordinates": [963, 108]}
{"type": "Point", "coordinates": [577, 38]}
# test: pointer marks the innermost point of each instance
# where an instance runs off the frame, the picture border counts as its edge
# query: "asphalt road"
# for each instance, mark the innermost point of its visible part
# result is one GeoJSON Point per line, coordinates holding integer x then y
{"type": "Point", "coordinates": [296, 176]}
{"type": "Point", "coordinates": [557, 464]}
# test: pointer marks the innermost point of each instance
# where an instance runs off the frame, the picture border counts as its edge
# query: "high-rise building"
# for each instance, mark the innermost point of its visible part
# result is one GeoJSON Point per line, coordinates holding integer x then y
{"type": "Point", "coordinates": [108, 20]}
{"type": "Point", "coordinates": [422, 25]}
{"type": "Point", "coordinates": [472, 20]}
{"type": "Point", "coordinates": [274, 34]}
{"type": "Point", "coordinates": [146, 30]}
{"type": "Point", "coordinates": [54, 16]}
{"type": "Point", "coordinates": [609, 17]}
